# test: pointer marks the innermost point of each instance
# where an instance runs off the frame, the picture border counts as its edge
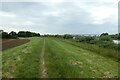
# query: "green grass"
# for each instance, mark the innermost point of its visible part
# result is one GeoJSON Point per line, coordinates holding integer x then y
{"type": "Point", "coordinates": [62, 60]}
{"type": "Point", "coordinates": [108, 53]}
{"type": "Point", "coordinates": [23, 61]}
{"type": "Point", "coordinates": [69, 61]}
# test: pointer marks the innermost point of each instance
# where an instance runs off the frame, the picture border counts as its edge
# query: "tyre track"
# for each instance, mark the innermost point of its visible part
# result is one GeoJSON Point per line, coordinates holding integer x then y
{"type": "Point", "coordinates": [43, 68]}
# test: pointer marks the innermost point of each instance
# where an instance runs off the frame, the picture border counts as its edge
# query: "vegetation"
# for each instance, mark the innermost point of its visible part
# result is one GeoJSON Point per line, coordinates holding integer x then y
{"type": "Point", "coordinates": [66, 56]}
{"type": "Point", "coordinates": [22, 61]}
{"type": "Point", "coordinates": [102, 44]}
{"type": "Point", "coordinates": [14, 35]}
{"type": "Point", "coordinates": [106, 52]}
{"type": "Point", "coordinates": [27, 34]}
{"type": "Point", "coordinates": [62, 60]}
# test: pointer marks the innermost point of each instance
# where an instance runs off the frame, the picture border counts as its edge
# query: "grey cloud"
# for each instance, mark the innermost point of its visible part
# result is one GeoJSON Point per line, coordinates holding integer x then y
{"type": "Point", "coordinates": [64, 17]}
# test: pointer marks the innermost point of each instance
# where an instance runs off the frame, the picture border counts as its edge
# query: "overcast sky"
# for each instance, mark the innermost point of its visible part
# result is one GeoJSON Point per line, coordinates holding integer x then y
{"type": "Point", "coordinates": [60, 17]}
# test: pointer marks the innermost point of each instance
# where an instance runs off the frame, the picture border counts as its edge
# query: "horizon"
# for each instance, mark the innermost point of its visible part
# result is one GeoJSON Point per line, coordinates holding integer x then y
{"type": "Point", "coordinates": [61, 34]}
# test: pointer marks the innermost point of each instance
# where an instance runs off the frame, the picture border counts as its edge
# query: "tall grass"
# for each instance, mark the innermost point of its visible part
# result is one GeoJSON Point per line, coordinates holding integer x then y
{"type": "Point", "coordinates": [64, 60]}
{"type": "Point", "coordinates": [109, 53]}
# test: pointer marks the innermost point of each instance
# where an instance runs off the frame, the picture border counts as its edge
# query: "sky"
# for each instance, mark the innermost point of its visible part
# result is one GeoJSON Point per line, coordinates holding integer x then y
{"type": "Point", "coordinates": [60, 16]}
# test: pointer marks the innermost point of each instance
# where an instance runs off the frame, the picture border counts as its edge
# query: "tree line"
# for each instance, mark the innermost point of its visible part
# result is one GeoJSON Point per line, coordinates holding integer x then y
{"type": "Point", "coordinates": [14, 35]}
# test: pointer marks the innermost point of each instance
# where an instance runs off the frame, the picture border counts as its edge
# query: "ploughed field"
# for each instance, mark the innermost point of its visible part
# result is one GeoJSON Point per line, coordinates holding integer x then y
{"type": "Point", "coordinates": [55, 58]}
{"type": "Point", "coordinates": [10, 43]}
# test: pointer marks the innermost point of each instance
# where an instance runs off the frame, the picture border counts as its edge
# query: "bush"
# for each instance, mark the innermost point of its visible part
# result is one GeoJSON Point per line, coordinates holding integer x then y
{"type": "Point", "coordinates": [106, 38]}
{"type": "Point", "coordinates": [67, 36]}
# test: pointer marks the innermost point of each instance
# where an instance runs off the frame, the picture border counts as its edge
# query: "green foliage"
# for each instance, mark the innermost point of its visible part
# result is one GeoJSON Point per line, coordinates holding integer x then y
{"type": "Point", "coordinates": [14, 35]}
{"type": "Point", "coordinates": [67, 36]}
{"type": "Point", "coordinates": [58, 36]}
{"type": "Point", "coordinates": [27, 34]}
{"type": "Point", "coordinates": [5, 35]}
{"type": "Point", "coordinates": [104, 34]}
{"type": "Point", "coordinates": [105, 38]}
{"type": "Point", "coordinates": [95, 41]}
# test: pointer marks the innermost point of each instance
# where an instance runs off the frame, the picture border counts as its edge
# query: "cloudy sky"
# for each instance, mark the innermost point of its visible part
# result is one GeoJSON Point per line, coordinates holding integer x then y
{"type": "Point", "coordinates": [60, 17]}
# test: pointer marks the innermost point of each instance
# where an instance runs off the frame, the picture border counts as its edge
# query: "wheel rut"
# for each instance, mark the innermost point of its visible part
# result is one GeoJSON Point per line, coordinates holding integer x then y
{"type": "Point", "coordinates": [42, 63]}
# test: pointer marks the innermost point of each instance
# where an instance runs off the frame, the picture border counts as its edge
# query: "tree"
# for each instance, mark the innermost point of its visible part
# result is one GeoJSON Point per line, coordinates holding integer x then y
{"type": "Point", "coordinates": [89, 38]}
{"type": "Point", "coordinates": [12, 33]}
{"type": "Point", "coordinates": [81, 39]}
{"type": "Point", "coordinates": [67, 36]}
{"type": "Point", "coordinates": [104, 34]}
{"type": "Point", "coordinates": [5, 35]}
{"type": "Point", "coordinates": [21, 34]}
{"type": "Point", "coordinates": [105, 38]}
{"type": "Point", "coordinates": [58, 36]}
{"type": "Point", "coordinates": [27, 34]}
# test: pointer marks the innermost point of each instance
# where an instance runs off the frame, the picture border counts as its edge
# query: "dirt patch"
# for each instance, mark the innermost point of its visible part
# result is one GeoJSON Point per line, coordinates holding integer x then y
{"type": "Point", "coordinates": [12, 43]}
{"type": "Point", "coordinates": [107, 74]}
{"type": "Point", "coordinates": [75, 62]}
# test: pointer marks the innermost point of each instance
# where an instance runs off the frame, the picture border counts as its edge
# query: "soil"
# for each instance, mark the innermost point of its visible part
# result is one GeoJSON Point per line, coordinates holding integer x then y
{"type": "Point", "coordinates": [10, 43]}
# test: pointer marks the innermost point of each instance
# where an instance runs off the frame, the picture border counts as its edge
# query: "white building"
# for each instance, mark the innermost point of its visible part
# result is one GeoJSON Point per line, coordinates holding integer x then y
{"type": "Point", "coordinates": [116, 41]}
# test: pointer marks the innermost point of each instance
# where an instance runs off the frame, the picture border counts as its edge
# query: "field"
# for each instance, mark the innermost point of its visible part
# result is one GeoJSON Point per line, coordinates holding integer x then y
{"type": "Point", "coordinates": [55, 58]}
{"type": "Point", "coordinates": [9, 43]}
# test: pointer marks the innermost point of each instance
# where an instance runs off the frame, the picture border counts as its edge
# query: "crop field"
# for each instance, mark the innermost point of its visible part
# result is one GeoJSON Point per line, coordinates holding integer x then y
{"type": "Point", "coordinates": [44, 57]}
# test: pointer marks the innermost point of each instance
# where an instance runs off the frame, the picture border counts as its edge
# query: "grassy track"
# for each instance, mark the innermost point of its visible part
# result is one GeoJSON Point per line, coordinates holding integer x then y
{"type": "Point", "coordinates": [62, 60]}
{"type": "Point", "coordinates": [23, 61]}
{"type": "Point", "coordinates": [66, 60]}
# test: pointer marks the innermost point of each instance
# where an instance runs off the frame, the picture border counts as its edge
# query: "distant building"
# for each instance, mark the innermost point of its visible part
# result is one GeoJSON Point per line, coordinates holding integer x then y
{"type": "Point", "coordinates": [74, 37]}
{"type": "Point", "coordinates": [116, 41]}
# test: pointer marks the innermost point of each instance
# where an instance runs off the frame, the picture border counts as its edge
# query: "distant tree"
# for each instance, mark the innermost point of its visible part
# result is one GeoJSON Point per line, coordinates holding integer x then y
{"type": "Point", "coordinates": [13, 33]}
{"type": "Point", "coordinates": [95, 41]}
{"type": "Point", "coordinates": [67, 36]}
{"type": "Point", "coordinates": [89, 38]}
{"type": "Point", "coordinates": [28, 34]}
{"type": "Point", "coordinates": [21, 34]}
{"type": "Point", "coordinates": [5, 35]}
{"type": "Point", "coordinates": [104, 34]}
{"type": "Point", "coordinates": [105, 38]}
{"type": "Point", "coordinates": [58, 36]}
{"type": "Point", "coordinates": [81, 39]}
{"type": "Point", "coordinates": [37, 34]}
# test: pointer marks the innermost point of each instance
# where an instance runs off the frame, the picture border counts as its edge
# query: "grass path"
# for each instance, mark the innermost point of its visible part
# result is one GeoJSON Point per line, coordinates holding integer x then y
{"type": "Point", "coordinates": [42, 60]}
